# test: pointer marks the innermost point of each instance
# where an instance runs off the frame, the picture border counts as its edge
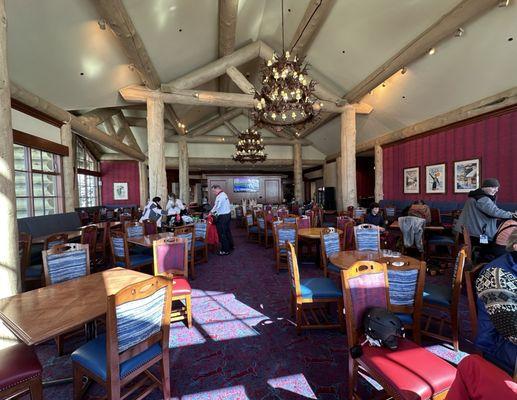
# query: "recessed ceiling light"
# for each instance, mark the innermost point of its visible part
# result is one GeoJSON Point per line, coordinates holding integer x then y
{"type": "Point", "coordinates": [81, 73]}
{"type": "Point", "coordinates": [180, 30]}
{"type": "Point", "coordinates": [431, 51]}
{"type": "Point", "coordinates": [510, 39]}
{"type": "Point", "coordinates": [459, 32]}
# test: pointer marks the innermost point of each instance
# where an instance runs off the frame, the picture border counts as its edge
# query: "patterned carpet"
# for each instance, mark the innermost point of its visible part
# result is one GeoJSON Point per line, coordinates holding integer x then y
{"type": "Point", "coordinates": [243, 344]}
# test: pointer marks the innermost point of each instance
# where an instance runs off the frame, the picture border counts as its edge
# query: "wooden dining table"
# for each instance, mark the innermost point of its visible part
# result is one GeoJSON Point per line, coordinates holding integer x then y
{"type": "Point", "coordinates": [314, 233]}
{"type": "Point", "coordinates": [147, 240]}
{"type": "Point", "coordinates": [432, 228]}
{"type": "Point", "coordinates": [103, 225]}
{"type": "Point", "coordinates": [345, 259]}
{"type": "Point", "coordinates": [39, 315]}
{"type": "Point", "coordinates": [74, 234]}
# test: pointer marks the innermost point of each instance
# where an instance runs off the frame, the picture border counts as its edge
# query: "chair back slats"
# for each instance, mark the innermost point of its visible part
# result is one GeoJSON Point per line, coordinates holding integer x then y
{"type": "Point", "coordinates": [54, 240]}
{"type": "Point", "coordinates": [170, 256]}
{"type": "Point", "coordinates": [239, 212]}
{"type": "Point", "coordinates": [119, 248]}
{"type": "Point", "coordinates": [89, 237]}
{"type": "Point", "coordinates": [249, 220]}
{"type": "Point", "coordinates": [65, 261]}
{"type": "Point", "coordinates": [150, 227]}
{"type": "Point", "coordinates": [359, 212]}
{"type": "Point", "coordinates": [282, 214]}
{"type": "Point", "coordinates": [261, 221]}
{"type": "Point", "coordinates": [200, 229]}
{"type": "Point", "coordinates": [186, 232]}
{"type": "Point", "coordinates": [330, 242]}
{"type": "Point", "coordinates": [294, 273]}
{"type": "Point", "coordinates": [367, 237]}
{"type": "Point", "coordinates": [390, 212]}
{"type": "Point", "coordinates": [365, 285]}
{"type": "Point", "coordinates": [285, 233]}
{"type": "Point", "coordinates": [24, 251]}
{"type": "Point", "coordinates": [133, 229]}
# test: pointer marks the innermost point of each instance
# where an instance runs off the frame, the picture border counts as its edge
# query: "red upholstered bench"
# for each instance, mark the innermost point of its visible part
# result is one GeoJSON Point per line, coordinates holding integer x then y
{"type": "Point", "coordinates": [20, 370]}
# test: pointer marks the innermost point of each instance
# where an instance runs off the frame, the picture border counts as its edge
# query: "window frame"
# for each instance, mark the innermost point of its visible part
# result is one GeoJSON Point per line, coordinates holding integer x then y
{"type": "Point", "coordinates": [87, 172]}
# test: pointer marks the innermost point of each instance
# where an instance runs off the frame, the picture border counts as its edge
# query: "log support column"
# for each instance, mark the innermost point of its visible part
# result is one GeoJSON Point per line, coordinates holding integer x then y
{"type": "Point", "coordinates": [339, 185]}
{"type": "Point", "coordinates": [70, 194]}
{"type": "Point", "coordinates": [9, 271]}
{"type": "Point", "coordinates": [348, 162]}
{"type": "Point", "coordinates": [298, 173]}
{"type": "Point", "coordinates": [379, 193]}
{"type": "Point", "coordinates": [144, 184]}
{"type": "Point", "coordinates": [183, 170]}
{"type": "Point", "coordinates": [156, 146]}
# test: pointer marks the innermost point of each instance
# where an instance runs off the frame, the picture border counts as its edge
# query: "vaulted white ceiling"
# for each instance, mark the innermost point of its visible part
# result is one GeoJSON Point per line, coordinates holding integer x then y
{"type": "Point", "coordinates": [57, 50]}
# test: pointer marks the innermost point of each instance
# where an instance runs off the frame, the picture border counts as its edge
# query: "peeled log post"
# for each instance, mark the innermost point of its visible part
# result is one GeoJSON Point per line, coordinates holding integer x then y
{"type": "Point", "coordinates": [379, 192]}
{"type": "Point", "coordinates": [339, 185]}
{"type": "Point", "coordinates": [240, 80]}
{"type": "Point", "coordinates": [298, 172]}
{"type": "Point", "coordinates": [87, 131]}
{"type": "Point", "coordinates": [183, 171]}
{"type": "Point", "coordinates": [70, 193]}
{"type": "Point", "coordinates": [348, 162]}
{"type": "Point", "coordinates": [156, 149]}
{"type": "Point", "coordinates": [144, 183]}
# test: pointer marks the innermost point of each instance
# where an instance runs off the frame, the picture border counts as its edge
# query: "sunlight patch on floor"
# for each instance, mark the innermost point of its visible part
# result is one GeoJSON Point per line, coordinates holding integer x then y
{"type": "Point", "coordinates": [296, 384]}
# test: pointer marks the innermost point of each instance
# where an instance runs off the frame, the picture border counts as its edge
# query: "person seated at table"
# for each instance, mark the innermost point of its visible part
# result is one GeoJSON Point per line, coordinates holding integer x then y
{"type": "Point", "coordinates": [496, 287]}
{"type": "Point", "coordinates": [153, 211]}
{"type": "Point", "coordinates": [174, 207]}
{"type": "Point", "coordinates": [375, 217]}
{"type": "Point", "coordinates": [498, 247]}
{"type": "Point", "coordinates": [421, 210]}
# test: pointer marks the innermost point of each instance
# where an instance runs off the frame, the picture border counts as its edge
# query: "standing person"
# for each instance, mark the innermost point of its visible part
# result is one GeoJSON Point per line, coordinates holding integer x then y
{"type": "Point", "coordinates": [222, 214]}
{"type": "Point", "coordinates": [154, 212]}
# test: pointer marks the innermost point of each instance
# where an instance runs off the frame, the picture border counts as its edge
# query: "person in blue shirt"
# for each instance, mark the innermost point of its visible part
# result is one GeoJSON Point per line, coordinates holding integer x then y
{"type": "Point", "coordinates": [496, 287]}
{"type": "Point", "coordinates": [222, 213]}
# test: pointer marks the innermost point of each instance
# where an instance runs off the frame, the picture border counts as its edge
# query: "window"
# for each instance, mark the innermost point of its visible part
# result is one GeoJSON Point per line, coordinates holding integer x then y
{"type": "Point", "coordinates": [88, 176]}
{"type": "Point", "coordinates": [37, 182]}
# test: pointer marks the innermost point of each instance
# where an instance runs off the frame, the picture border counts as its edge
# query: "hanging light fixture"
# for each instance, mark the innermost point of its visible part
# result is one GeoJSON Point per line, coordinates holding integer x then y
{"type": "Point", "coordinates": [250, 147]}
{"type": "Point", "coordinates": [286, 96]}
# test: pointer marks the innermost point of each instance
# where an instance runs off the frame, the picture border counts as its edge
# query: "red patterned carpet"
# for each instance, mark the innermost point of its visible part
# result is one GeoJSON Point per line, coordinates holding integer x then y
{"type": "Point", "coordinates": [243, 344]}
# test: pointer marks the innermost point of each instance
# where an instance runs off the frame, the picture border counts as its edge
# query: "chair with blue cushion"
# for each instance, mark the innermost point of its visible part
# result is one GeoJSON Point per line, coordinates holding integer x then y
{"type": "Point", "coordinates": [54, 240]}
{"type": "Point", "coordinates": [310, 297]}
{"type": "Point", "coordinates": [410, 371]}
{"type": "Point", "coordinates": [367, 237]}
{"type": "Point", "coordinates": [239, 215]}
{"type": "Point", "coordinates": [31, 274]}
{"type": "Point", "coordinates": [188, 232]}
{"type": "Point", "coordinates": [251, 228]}
{"type": "Point", "coordinates": [406, 278]}
{"type": "Point", "coordinates": [390, 212]}
{"type": "Point", "coordinates": [290, 219]}
{"type": "Point", "coordinates": [282, 233]}
{"type": "Point", "coordinates": [121, 256]}
{"type": "Point", "coordinates": [137, 338]}
{"type": "Point", "coordinates": [62, 263]}
{"type": "Point", "coordinates": [89, 237]}
{"type": "Point", "coordinates": [171, 261]}
{"type": "Point", "coordinates": [201, 245]}
{"type": "Point", "coordinates": [330, 244]}
{"type": "Point", "coordinates": [261, 225]}
{"type": "Point", "coordinates": [444, 299]}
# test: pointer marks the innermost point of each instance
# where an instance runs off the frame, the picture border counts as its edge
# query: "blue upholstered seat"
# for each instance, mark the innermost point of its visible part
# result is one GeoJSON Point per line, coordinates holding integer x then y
{"type": "Point", "coordinates": [437, 294]}
{"type": "Point", "coordinates": [253, 229]}
{"type": "Point", "coordinates": [34, 271]}
{"type": "Point", "coordinates": [441, 240]}
{"type": "Point", "coordinates": [198, 244]}
{"type": "Point", "coordinates": [333, 268]}
{"type": "Point", "coordinates": [136, 260]}
{"type": "Point", "coordinates": [92, 356]}
{"type": "Point", "coordinates": [319, 288]}
{"type": "Point", "coordinates": [406, 319]}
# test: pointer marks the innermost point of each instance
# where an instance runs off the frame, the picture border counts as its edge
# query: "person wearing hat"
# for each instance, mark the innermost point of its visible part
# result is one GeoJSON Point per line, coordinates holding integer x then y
{"type": "Point", "coordinates": [496, 288]}
{"type": "Point", "coordinates": [480, 213]}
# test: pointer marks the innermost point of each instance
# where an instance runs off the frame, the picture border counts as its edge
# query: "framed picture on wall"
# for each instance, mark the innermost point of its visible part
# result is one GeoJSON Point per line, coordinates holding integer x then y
{"type": "Point", "coordinates": [435, 178]}
{"type": "Point", "coordinates": [466, 175]}
{"type": "Point", "coordinates": [120, 191]}
{"type": "Point", "coordinates": [412, 180]}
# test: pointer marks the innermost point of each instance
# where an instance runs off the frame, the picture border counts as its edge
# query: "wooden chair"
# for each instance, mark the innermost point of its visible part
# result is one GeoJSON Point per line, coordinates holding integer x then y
{"type": "Point", "coordinates": [290, 219]}
{"type": "Point", "coordinates": [121, 256]}
{"type": "Point", "coordinates": [171, 261]}
{"type": "Point", "coordinates": [187, 232]}
{"type": "Point", "coordinates": [408, 372]}
{"type": "Point", "coordinates": [137, 338]}
{"type": "Point", "coordinates": [406, 283]}
{"type": "Point", "coordinates": [251, 228]}
{"type": "Point", "coordinates": [310, 297]}
{"type": "Point", "coordinates": [330, 244]}
{"type": "Point", "coordinates": [150, 227]}
{"type": "Point", "coordinates": [445, 299]}
{"type": "Point", "coordinates": [31, 275]}
{"type": "Point", "coordinates": [367, 237]}
{"type": "Point", "coordinates": [390, 213]}
{"type": "Point", "coordinates": [125, 218]}
{"type": "Point", "coordinates": [282, 213]}
{"type": "Point", "coordinates": [96, 216]}
{"type": "Point", "coordinates": [133, 228]}
{"type": "Point", "coordinates": [468, 244]}
{"type": "Point", "coordinates": [470, 285]}
{"type": "Point", "coordinates": [62, 263]}
{"type": "Point", "coordinates": [261, 225]}
{"type": "Point", "coordinates": [239, 215]}
{"type": "Point", "coordinates": [303, 222]}
{"type": "Point", "coordinates": [312, 217]}
{"type": "Point", "coordinates": [282, 233]}
{"type": "Point", "coordinates": [200, 243]}
{"type": "Point", "coordinates": [53, 240]}
{"type": "Point", "coordinates": [102, 250]}
{"type": "Point", "coordinates": [89, 237]}
{"type": "Point", "coordinates": [346, 225]}
{"type": "Point", "coordinates": [20, 373]}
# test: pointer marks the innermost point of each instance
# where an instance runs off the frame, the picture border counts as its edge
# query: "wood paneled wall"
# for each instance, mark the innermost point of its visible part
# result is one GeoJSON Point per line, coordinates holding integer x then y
{"type": "Point", "coordinates": [270, 189]}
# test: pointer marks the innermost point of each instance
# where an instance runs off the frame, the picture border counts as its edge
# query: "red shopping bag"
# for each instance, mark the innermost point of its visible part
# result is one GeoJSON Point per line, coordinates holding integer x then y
{"type": "Point", "coordinates": [211, 231]}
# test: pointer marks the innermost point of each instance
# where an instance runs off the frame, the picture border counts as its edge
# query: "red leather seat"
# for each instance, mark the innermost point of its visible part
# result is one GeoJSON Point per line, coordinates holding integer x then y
{"type": "Point", "coordinates": [180, 287]}
{"type": "Point", "coordinates": [18, 363]}
{"type": "Point", "coordinates": [411, 370]}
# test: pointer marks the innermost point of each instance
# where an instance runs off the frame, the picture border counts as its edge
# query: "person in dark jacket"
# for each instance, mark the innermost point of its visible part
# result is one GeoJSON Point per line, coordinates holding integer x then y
{"type": "Point", "coordinates": [496, 287]}
{"type": "Point", "coordinates": [375, 217]}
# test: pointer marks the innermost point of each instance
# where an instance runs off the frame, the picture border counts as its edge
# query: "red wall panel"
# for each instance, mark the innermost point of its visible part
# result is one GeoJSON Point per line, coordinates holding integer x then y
{"type": "Point", "coordinates": [120, 171]}
{"type": "Point", "coordinates": [493, 140]}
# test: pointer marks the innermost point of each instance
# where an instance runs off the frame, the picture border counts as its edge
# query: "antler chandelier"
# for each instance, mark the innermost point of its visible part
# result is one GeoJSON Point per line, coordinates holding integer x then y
{"type": "Point", "coordinates": [250, 147]}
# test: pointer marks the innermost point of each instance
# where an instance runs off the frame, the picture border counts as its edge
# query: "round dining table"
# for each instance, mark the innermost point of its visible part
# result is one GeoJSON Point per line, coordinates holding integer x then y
{"type": "Point", "coordinates": [345, 259]}
{"type": "Point", "coordinates": [314, 233]}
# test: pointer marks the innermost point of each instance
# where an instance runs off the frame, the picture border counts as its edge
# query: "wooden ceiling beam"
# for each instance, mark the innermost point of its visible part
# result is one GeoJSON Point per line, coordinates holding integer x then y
{"type": "Point", "coordinates": [314, 17]}
{"type": "Point", "coordinates": [445, 27]}
{"type": "Point", "coordinates": [123, 126]}
{"type": "Point", "coordinates": [142, 122]}
{"type": "Point", "coordinates": [98, 116]}
{"type": "Point", "coordinates": [172, 162]}
{"type": "Point", "coordinates": [235, 132]}
{"type": "Point", "coordinates": [117, 18]}
{"type": "Point", "coordinates": [240, 80]}
{"type": "Point", "coordinates": [215, 123]}
{"type": "Point", "coordinates": [227, 28]}
{"type": "Point", "coordinates": [232, 140]}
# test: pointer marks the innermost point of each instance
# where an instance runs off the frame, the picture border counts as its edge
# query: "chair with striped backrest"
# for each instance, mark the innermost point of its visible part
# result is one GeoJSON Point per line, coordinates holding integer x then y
{"type": "Point", "coordinates": [251, 228]}
{"type": "Point", "coordinates": [125, 218]}
{"type": "Point", "coordinates": [200, 244]}
{"type": "Point", "coordinates": [133, 229]}
{"type": "Point", "coordinates": [310, 214]}
{"type": "Point", "coordinates": [171, 261]}
{"type": "Point", "coordinates": [284, 232]}
{"type": "Point", "coordinates": [406, 278]}
{"type": "Point", "coordinates": [282, 213]}
{"type": "Point", "coordinates": [121, 256]}
{"type": "Point", "coordinates": [445, 299]}
{"type": "Point", "coordinates": [62, 263]}
{"type": "Point", "coordinates": [290, 219]}
{"type": "Point", "coordinates": [137, 338]}
{"type": "Point", "coordinates": [53, 240]}
{"type": "Point", "coordinates": [89, 237]}
{"type": "Point", "coordinates": [330, 244]}
{"type": "Point", "coordinates": [31, 275]}
{"type": "Point", "coordinates": [150, 227]}
{"type": "Point", "coordinates": [367, 237]}
{"type": "Point", "coordinates": [390, 212]}
{"type": "Point", "coordinates": [410, 371]}
{"type": "Point", "coordinates": [313, 294]}
{"type": "Point", "coordinates": [359, 213]}
{"type": "Point", "coordinates": [188, 232]}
